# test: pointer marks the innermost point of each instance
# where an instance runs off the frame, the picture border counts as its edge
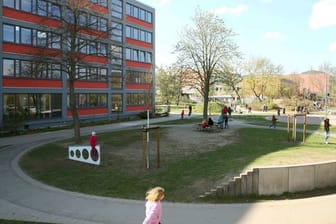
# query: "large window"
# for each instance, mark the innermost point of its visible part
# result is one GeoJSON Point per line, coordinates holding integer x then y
{"type": "Point", "coordinates": [89, 100]}
{"type": "Point", "coordinates": [116, 9]}
{"type": "Point", "coordinates": [138, 34]}
{"type": "Point", "coordinates": [9, 3]}
{"type": "Point", "coordinates": [138, 77]}
{"type": "Point", "coordinates": [116, 102]}
{"type": "Point", "coordinates": [31, 69]}
{"type": "Point", "coordinates": [138, 55]}
{"type": "Point", "coordinates": [42, 8]}
{"type": "Point", "coordinates": [102, 3]}
{"type": "Point", "coordinates": [92, 47]}
{"type": "Point", "coordinates": [116, 54]}
{"type": "Point", "coordinates": [116, 32]}
{"type": "Point", "coordinates": [32, 106]}
{"type": "Point", "coordinates": [23, 35]}
{"type": "Point", "coordinates": [139, 98]}
{"type": "Point", "coordinates": [26, 5]}
{"type": "Point", "coordinates": [26, 36]}
{"type": "Point", "coordinates": [91, 73]}
{"type": "Point", "coordinates": [8, 33]}
{"type": "Point", "coordinates": [116, 79]}
{"type": "Point", "coordinates": [8, 66]}
{"type": "Point", "coordinates": [138, 13]}
{"type": "Point", "coordinates": [39, 7]}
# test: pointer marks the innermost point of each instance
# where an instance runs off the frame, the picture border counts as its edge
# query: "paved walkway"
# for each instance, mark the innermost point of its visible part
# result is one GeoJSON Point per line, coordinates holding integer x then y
{"type": "Point", "coordinates": [22, 198]}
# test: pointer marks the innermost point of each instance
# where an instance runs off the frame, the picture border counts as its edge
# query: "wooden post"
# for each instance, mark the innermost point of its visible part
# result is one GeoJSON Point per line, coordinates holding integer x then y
{"type": "Point", "coordinates": [293, 129]}
{"type": "Point", "coordinates": [304, 128]}
{"type": "Point", "coordinates": [288, 128]}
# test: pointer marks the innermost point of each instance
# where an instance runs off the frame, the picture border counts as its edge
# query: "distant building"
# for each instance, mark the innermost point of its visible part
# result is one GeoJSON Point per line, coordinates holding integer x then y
{"type": "Point", "coordinates": [106, 87]}
{"type": "Point", "coordinates": [311, 82]}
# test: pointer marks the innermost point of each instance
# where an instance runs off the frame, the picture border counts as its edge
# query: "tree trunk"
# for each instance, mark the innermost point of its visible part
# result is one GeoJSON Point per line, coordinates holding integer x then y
{"type": "Point", "coordinates": [206, 98]}
{"type": "Point", "coordinates": [75, 117]}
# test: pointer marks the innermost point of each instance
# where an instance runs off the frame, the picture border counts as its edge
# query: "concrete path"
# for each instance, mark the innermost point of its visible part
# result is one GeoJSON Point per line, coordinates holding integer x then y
{"type": "Point", "coordinates": [22, 198]}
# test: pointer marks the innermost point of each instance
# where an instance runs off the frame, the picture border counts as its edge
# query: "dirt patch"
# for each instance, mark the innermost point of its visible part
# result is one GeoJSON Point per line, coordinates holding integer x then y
{"type": "Point", "coordinates": [176, 141]}
{"type": "Point", "coordinates": [188, 139]}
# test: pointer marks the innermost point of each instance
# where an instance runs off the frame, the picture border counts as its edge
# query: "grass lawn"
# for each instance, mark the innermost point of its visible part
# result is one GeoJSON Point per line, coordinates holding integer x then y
{"type": "Point", "coordinates": [184, 177]}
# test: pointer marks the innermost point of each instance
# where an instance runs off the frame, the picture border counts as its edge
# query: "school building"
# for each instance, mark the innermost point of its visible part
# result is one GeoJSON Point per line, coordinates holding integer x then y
{"type": "Point", "coordinates": [116, 78]}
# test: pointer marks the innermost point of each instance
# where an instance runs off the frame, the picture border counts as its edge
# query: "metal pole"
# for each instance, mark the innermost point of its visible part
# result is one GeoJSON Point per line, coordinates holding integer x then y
{"type": "Point", "coordinates": [158, 146]}
{"type": "Point", "coordinates": [288, 128]}
{"type": "Point", "coordinates": [144, 146]}
{"type": "Point", "coordinates": [147, 148]}
{"type": "Point", "coordinates": [304, 128]}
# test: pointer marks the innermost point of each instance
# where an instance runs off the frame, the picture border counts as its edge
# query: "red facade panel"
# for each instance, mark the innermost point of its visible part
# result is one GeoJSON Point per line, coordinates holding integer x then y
{"type": "Point", "coordinates": [138, 86]}
{"type": "Point", "coordinates": [99, 9]}
{"type": "Point", "coordinates": [136, 64]}
{"type": "Point", "coordinates": [31, 83]}
{"type": "Point", "coordinates": [90, 85]}
{"type": "Point", "coordinates": [28, 17]}
{"type": "Point", "coordinates": [95, 59]}
{"type": "Point", "coordinates": [29, 50]}
{"type": "Point", "coordinates": [89, 111]}
{"type": "Point", "coordinates": [139, 43]}
{"type": "Point", "coordinates": [139, 22]}
{"type": "Point", "coordinates": [138, 108]}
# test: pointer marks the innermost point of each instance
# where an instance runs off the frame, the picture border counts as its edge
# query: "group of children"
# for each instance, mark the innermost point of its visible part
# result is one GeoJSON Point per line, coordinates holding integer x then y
{"type": "Point", "coordinates": [223, 120]}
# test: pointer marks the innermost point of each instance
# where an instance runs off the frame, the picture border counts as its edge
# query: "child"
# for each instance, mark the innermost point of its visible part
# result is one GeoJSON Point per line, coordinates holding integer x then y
{"type": "Point", "coordinates": [204, 124]}
{"type": "Point", "coordinates": [220, 121]}
{"type": "Point", "coordinates": [182, 114]}
{"type": "Point", "coordinates": [93, 143]}
{"type": "Point", "coordinates": [210, 121]}
{"type": "Point", "coordinates": [226, 121]}
{"type": "Point", "coordinates": [273, 122]}
{"type": "Point", "coordinates": [153, 205]}
{"type": "Point", "coordinates": [326, 130]}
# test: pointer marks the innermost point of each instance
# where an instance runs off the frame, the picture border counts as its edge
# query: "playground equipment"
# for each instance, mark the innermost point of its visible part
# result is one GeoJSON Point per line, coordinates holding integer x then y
{"type": "Point", "coordinates": [82, 153]}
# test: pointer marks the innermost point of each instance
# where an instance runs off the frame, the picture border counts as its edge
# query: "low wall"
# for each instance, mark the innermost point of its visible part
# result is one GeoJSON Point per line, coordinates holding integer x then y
{"type": "Point", "coordinates": [278, 180]}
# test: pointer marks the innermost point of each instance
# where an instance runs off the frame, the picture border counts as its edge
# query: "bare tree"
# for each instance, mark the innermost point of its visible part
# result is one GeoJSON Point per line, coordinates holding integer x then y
{"type": "Point", "coordinates": [230, 75]}
{"type": "Point", "coordinates": [327, 68]}
{"type": "Point", "coordinates": [169, 83]}
{"type": "Point", "coordinates": [201, 49]}
{"type": "Point", "coordinates": [79, 37]}
{"type": "Point", "coordinates": [259, 72]}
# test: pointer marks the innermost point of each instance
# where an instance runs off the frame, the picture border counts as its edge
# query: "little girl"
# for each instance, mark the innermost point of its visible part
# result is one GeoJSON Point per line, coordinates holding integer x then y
{"type": "Point", "coordinates": [153, 205]}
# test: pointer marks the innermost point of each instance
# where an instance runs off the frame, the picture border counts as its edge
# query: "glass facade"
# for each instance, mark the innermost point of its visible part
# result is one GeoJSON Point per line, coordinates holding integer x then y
{"type": "Point", "coordinates": [114, 70]}
{"type": "Point", "coordinates": [32, 106]}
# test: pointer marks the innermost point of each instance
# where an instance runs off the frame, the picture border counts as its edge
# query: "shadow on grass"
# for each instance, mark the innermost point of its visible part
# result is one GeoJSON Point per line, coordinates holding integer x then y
{"type": "Point", "coordinates": [185, 177]}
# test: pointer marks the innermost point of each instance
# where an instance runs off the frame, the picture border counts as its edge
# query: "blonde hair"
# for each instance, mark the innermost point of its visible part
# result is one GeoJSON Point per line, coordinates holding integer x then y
{"type": "Point", "coordinates": [155, 194]}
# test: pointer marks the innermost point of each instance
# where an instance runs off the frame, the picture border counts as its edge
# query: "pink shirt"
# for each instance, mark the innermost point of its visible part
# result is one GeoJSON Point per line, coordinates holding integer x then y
{"type": "Point", "coordinates": [153, 212]}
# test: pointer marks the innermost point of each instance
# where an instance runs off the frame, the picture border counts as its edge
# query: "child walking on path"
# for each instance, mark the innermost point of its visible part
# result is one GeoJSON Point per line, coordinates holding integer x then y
{"type": "Point", "coordinates": [274, 120]}
{"type": "Point", "coordinates": [182, 114]}
{"type": "Point", "coordinates": [153, 205]}
{"type": "Point", "coordinates": [326, 130]}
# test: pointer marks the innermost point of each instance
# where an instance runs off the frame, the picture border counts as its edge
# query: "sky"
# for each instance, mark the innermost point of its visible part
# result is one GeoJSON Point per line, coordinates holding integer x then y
{"type": "Point", "coordinates": [300, 35]}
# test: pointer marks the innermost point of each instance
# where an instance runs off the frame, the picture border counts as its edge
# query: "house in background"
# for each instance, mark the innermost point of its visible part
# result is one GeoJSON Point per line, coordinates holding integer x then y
{"type": "Point", "coordinates": [312, 84]}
